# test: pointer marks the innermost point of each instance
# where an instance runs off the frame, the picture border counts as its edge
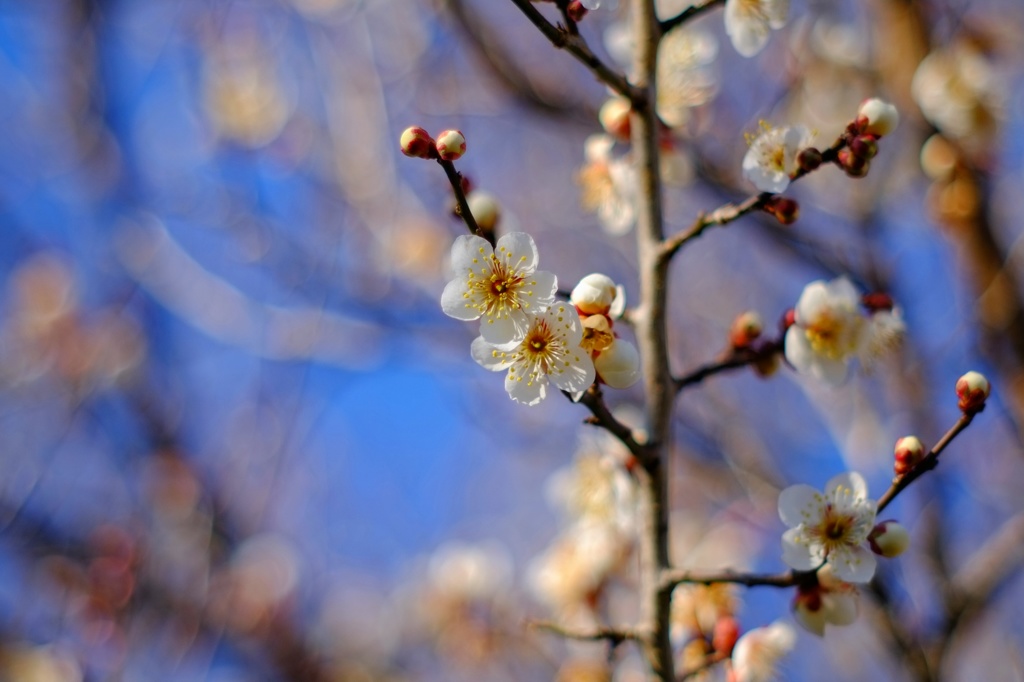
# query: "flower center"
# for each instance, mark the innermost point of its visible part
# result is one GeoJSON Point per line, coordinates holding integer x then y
{"type": "Point", "coordinates": [832, 336]}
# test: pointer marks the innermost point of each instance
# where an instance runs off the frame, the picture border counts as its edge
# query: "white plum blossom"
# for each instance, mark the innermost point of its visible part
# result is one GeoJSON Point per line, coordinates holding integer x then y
{"type": "Point", "coordinates": [756, 655]}
{"type": "Point", "coordinates": [549, 352]}
{"type": "Point", "coordinates": [771, 159]}
{"type": "Point", "coordinates": [749, 22]}
{"type": "Point", "coordinates": [501, 286]}
{"type": "Point", "coordinates": [608, 185]}
{"type": "Point", "coordinates": [828, 330]}
{"type": "Point", "coordinates": [685, 77]}
{"type": "Point", "coordinates": [830, 527]}
{"type": "Point", "coordinates": [830, 602]}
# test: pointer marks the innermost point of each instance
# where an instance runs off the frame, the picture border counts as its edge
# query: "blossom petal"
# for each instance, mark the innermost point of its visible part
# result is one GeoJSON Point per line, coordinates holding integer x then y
{"type": "Point", "coordinates": [489, 357]}
{"type": "Point", "coordinates": [798, 349]}
{"type": "Point", "coordinates": [524, 389]}
{"type": "Point", "coordinates": [577, 375]}
{"type": "Point", "coordinates": [832, 372]}
{"type": "Point", "coordinates": [777, 12]}
{"type": "Point", "coordinates": [457, 300]}
{"type": "Point", "coordinates": [850, 480]}
{"type": "Point", "coordinates": [538, 292]}
{"type": "Point", "coordinates": [813, 300]}
{"type": "Point", "coordinates": [519, 250]}
{"type": "Point", "coordinates": [798, 553]}
{"type": "Point", "coordinates": [468, 252]}
{"type": "Point", "coordinates": [853, 564]}
{"type": "Point", "coordinates": [505, 332]}
{"type": "Point", "coordinates": [800, 504]}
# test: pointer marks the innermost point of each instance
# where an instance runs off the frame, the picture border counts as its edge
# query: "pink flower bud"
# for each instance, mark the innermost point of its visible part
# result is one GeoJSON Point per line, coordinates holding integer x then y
{"type": "Point", "coordinates": [416, 142]}
{"type": "Point", "coordinates": [746, 328]}
{"type": "Point", "coordinates": [877, 117]}
{"type": "Point", "coordinates": [727, 631]}
{"type": "Point", "coordinates": [809, 159]}
{"type": "Point", "coordinates": [788, 320]}
{"type": "Point", "coordinates": [972, 389]}
{"type": "Point", "coordinates": [889, 539]}
{"type": "Point", "coordinates": [451, 145]}
{"type": "Point", "coordinates": [854, 166]}
{"type": "Point", "coordinates": [877, 301]}
{"type": "Point", "coordinates": [864, 146]}
{"type": "Point", "coordinates": [576, 10]}
{"type": "Point", "coordinates": [485, 209]}
{"type": "Point", "coordinates": [785, 210]}
{"type": "Point", "coordinates": [614, 117]}
{"type": "Point", "coordinates": [908, 452]}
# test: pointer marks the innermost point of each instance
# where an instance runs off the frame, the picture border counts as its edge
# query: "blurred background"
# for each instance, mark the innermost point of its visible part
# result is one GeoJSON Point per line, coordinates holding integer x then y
{"type": "Point", "coordinates": [240, 440]}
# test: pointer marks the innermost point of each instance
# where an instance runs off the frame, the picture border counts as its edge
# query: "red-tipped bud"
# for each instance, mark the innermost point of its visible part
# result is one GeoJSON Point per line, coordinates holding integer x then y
{"type": "Point", "coordinates": [727, 631]}
{"type": "Point", "coordinates": [576, 11]}
{"type": "Point", "coordinates": [853, 165]}
{"type": "Point", "coordinates": [746, 329]}
{"type": "Point", "coordinates": [451, 145]}
{"type": "Point", "coordinates": [864, 147]}
{"type": "Point", "coordinates": [614, 117]}
{"type": "Point", "coordinates": [972, 389]}
{"type": "Point", "coordinates": [877, 301]}
{"type": "Point", "coordinates": [417, 143]}
{"type": "Point", "coordinates": [785, 210]}
{"type": "Point", "coordinates": [788, 320]}
{"type": "Point", "coordinates": [889, 539]}
{"type": "Point", "coordinates": [877, 117]}
{"type": "Point", "coordinates": [809, 159]}
{"type": "Point", "coordinates": [908, 452]}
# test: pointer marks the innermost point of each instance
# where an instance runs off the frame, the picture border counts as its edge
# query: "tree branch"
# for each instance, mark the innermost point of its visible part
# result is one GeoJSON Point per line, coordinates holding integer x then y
{"type": "Point", "coordinates": [691, 12]}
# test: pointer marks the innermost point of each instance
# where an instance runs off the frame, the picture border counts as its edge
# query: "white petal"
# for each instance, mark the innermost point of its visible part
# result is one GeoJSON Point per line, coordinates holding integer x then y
{"type": "Point", "coordinates": [798, 349]}
{"type": "Point", "coordinates": [526, 391]}
{"type": "Point", "coordinates": [777, 11]}
{"type": "Point", "coordinates": [850, 479]}
{"type": "Point", "coordinates": [505, 332]}
{"type": "Point", "coordinates": [598, 147]}
{"type": "Point", "coordinates": [797, 553]}
{"type": "Point", "coordinates": [765, 180]}
{"type": "Point", "coordinates": [800, 504]}
{"type": "Point", "coordinates": [518, 250]}
{"type": "Point", "coordinates": [489, 357]}
{"type": "Point", "coordinates": [844, 290]}
{"type": "Point", "coordinates": [458, 301]}
{"type": "Point", "coordinates": [539, 291]}
{"type": "Point", "coordinates": [853, 564]}
{"type": "Point", "coordinates": [840, 608]}
{"type": "Point", "coordinates": [468, 252]}
{"type": "Point", "coordinates": [813, 300]}
{"type": "Point", "coordinates": [832, 372]}
{"type": "Point", "coordinates": [578, 376]}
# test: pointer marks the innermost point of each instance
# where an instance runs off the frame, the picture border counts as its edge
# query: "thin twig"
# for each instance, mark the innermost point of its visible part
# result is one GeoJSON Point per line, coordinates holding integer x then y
{"type": "Point", "coordinates": [593, 398]}
{"type": "Point", "coordinates": [577, 46]}
{"type": "Point", "coordinates": [462, 206]}
{"type": "Point", "coordinates": [734, 359]}
{"type": "Point", "coordinates": [723, 215]}
{"type": "Point", "coordinates": [929, 462]}
{"type": "Point", "coordinates": [691, 12]}
{"type": "Point", "coordinates": [675, 576]}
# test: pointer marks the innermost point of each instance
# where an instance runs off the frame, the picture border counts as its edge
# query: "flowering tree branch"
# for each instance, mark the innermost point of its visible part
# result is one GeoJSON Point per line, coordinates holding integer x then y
{"type": "Point", "coordinates": [461, 205]}
{"type": "Point", "coordinates": [577, 46]}
{"type": "Point", "coordinates": [593, 398]}
{"type": "Point", "coordinates": [676, 576]}
{"type": "Point", "coordinates": [735, 358]}
{"type": "Point", "coordinates": [929, 462]}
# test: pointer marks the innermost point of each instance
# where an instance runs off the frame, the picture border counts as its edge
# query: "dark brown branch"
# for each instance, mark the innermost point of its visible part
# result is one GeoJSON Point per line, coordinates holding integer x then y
{"type": "Point", "coordinates": [675, 576]}
{"type": "Point", "coordinates": [691, 12]}
{"type": "Point", "coordinates": [575, 45]}
{"type": "Point", "coordinates": [929, 462]}
{"type": "Point", "coordinates": [461, 205]}
{"type": "Point", "coordinates": [593, 398]}
{"type": "Point", "coordinates": [723, 215]}
{"type": "Point", "coordinates": [734, 359]}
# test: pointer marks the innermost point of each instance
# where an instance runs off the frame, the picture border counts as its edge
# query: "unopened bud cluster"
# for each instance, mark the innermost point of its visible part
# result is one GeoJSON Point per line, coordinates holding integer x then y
{"type": "Point", "coordinates": [908, 453]}
{"type": "Point", "coordinates": [599, 301]}
{"type": "Point", "coordinates": [875, 118]}
{"type": "Point", "coordinates": [416, 142]}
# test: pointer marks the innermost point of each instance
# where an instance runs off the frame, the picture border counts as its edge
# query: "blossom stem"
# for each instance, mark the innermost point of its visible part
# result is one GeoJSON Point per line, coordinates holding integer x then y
{"type": "Point", "coordinates": [929, 462]}
{"type": "Point", "coordinates": [736, 358]}
{"type": "Point", "coordinates": [455, 178]}
{"type": "Point", "coordinates": [574, 44]}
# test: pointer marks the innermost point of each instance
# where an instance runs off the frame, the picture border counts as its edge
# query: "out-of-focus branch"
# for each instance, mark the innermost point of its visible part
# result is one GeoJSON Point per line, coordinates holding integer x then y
{"type": "Point", "coordinates": [691, 12]}
{"type": "Point", "coordinates": [575, 45]}
{"type": "Point", "coordinates": [673, 577]}
{"type": "Point", "coordinates": [613, 635]}
{"type": "Point", "coordinates": [593, 398]}
{"type": "Point", "coordinates": [735, 358]}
